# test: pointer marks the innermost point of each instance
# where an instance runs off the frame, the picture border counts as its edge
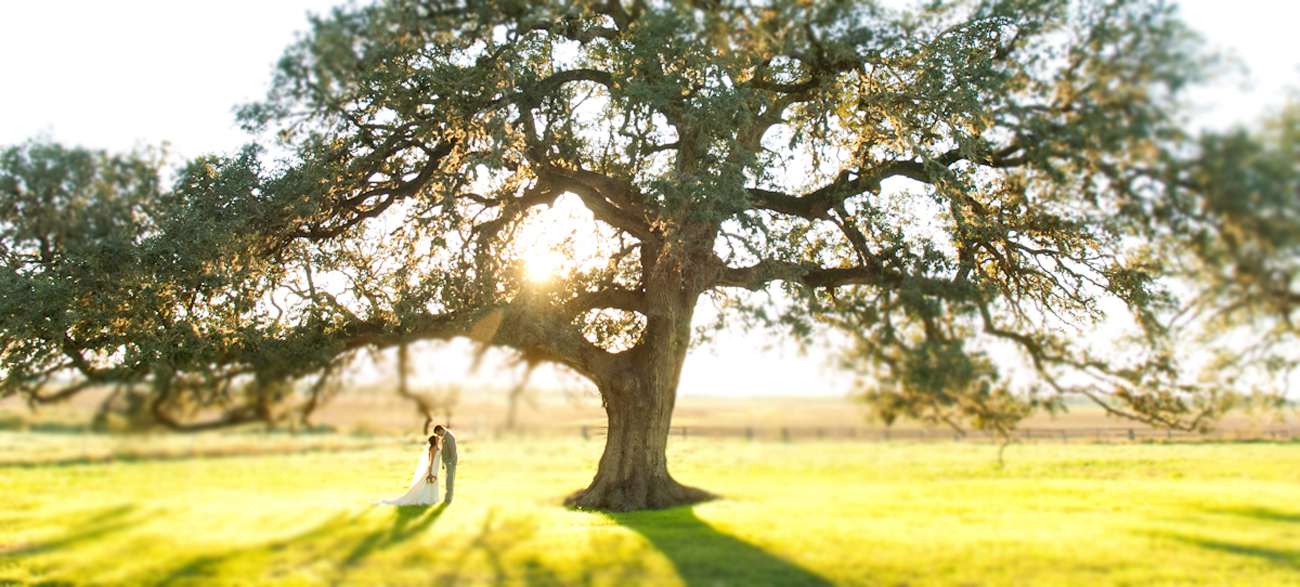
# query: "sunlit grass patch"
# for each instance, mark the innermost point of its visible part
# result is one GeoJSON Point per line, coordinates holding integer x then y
{"type": "Point", "coordinates": [795, 514]}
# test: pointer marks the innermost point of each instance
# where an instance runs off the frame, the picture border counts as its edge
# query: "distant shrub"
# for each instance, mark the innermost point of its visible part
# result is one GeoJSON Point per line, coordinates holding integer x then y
{"type": "Point", "coordinates": [11, 422]}
{"type": "Point", "coordinates": [367, 429]}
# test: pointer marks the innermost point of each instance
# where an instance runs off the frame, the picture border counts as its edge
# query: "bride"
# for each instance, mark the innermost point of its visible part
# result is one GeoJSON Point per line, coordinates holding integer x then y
{"type": "Point", "coordinates": [424, 484]}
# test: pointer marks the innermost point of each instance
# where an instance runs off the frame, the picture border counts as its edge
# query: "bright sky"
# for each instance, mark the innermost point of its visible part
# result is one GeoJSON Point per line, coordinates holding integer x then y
{"type": "Point", "coordinates": [116, 75]}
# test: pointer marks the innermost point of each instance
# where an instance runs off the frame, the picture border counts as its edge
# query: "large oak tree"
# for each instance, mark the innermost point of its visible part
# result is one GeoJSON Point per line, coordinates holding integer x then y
{"type": "Point", "coordinates": [950, 187]}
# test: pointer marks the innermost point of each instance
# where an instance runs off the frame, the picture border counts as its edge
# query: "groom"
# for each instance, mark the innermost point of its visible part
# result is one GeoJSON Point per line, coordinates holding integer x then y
{"type": "Point", "coordinates": [448, 458]}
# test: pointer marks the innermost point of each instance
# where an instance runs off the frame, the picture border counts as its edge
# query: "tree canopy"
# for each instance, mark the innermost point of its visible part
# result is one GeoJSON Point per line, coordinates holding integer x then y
{"type": "Point", "coordinates": [964, 190]}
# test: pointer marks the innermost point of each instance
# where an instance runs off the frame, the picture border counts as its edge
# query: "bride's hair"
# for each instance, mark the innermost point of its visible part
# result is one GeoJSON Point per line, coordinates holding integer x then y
{"type": "Point", "coordinates": [433, 440]}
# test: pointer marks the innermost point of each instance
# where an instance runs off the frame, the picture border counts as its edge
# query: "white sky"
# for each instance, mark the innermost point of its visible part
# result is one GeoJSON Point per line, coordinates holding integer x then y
{"type": "Point", "coordinates": [127, 73]}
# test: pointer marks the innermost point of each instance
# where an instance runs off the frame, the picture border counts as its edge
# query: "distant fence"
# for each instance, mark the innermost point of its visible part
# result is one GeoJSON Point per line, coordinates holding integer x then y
{"type": "Point", "coordinates": [870, 434]}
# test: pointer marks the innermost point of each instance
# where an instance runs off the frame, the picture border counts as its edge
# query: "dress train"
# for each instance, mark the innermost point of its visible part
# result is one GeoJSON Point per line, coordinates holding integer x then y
{"type": "Point", "coordinates": [422, 492]}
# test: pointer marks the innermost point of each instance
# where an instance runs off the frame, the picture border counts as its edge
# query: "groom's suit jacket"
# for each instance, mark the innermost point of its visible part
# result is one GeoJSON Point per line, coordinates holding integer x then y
{"type": "Point", "coordinates": [448, 448]}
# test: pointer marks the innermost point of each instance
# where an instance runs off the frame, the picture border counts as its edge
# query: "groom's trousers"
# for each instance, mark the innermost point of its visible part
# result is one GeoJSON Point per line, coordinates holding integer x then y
{"type": "Point", "coordinates": [451, 481]}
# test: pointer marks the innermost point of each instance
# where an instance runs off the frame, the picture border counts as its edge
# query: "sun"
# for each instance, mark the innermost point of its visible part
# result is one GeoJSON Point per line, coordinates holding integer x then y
{"type": "Point", "coordinates": [542, 266]}
{"type": "Point", "coordinates": [549, 241]}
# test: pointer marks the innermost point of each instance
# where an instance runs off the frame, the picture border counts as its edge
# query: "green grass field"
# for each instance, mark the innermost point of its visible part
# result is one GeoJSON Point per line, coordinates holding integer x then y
{"type": "Point", "coordinates": [791, 514]}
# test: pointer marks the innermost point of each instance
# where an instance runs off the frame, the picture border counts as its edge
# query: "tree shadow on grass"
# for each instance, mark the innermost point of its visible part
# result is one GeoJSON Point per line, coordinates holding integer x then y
{"type": "Point", "coordinates": [1255, 516]}
{"type": "Point", "coordinates": [1277, 556]}
{"type": "Point", "coordinates": [408, 522]}
{"type": "Point", "coordinates": [705, 556]}
{"type": "Point", "coordinates": [503, 553]}
{"type": "Point", "coordinates": [325, 543]}
{"type": "Point", "coordinates": [1261, 514]}
{"type": "Point", "coordinates": [493, 542]}
{"type": "Point", "coordinates": [85, 528]}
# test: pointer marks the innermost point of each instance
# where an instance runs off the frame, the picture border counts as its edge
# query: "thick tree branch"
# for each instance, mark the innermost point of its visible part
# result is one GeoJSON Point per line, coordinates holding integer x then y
{"type": "Point", "coordinates": [613, 298]}
{"type": "Point", "coordinates": [532, 97]}
{"type": "Point", "coordinates": [815, 205]}
{"type": "Point", "coordinates": [571, 30]}
{"type": "Point", "coordinates": [63, 394]}
{"type": "Point", "coordinates": [246, 414]}
{"type": "Point", "coordinates": [758, 276]}
{"type": "Point", "coordinates": [528, 324]}
{"type": "Point", "coordinates": [611, 201]}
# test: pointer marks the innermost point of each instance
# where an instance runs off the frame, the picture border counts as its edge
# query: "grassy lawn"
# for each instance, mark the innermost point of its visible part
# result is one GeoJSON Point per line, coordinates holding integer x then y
{"type": "Point", "coordinates": [792, 514]}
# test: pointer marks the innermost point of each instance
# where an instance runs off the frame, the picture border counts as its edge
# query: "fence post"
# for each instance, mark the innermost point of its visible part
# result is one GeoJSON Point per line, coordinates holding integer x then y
{"type": "Point", "coordinates": [749, 433]}
{"type": "Point", "coordinates": [584, 433]}
{"type": "Point", "coordinates": [1131, 437]}
{"type": "Point", "coordinates": [886, 435]}
{"type": "Point", "coordinates": [683, 433]}
{"type": "Point", "coordinates": [785, 434]}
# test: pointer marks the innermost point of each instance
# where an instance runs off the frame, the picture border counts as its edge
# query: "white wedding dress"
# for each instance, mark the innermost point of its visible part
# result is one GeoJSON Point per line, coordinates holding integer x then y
{"type": "Point", "coordinates": [422, 491]}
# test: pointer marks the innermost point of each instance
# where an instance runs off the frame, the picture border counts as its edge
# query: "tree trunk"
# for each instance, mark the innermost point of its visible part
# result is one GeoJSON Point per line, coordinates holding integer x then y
{"type": "Point", "coordinates": [639, 397]}
{"type": "Point", "coordinates": [633, 471]}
